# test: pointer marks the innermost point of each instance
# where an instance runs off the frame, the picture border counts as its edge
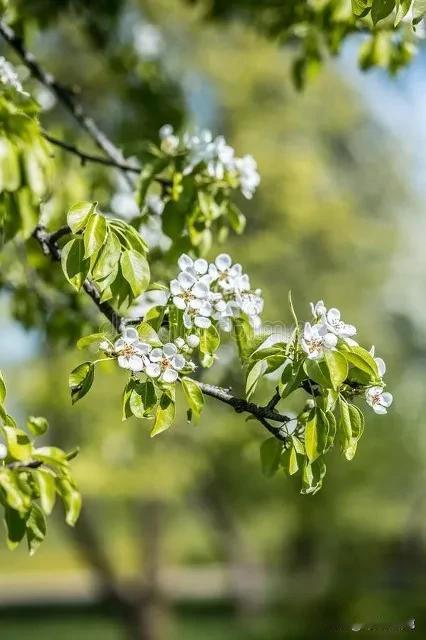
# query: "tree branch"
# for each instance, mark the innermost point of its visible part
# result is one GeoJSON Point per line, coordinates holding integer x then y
{"type": "Point", "coordinates": [49, 246]}
{"type": "Point", "coordinates": [65, 97]}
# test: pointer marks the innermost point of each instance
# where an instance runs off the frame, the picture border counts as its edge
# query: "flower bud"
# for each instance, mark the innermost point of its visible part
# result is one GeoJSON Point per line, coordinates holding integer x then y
{"type": "Point", "coordinates": [193, 341]}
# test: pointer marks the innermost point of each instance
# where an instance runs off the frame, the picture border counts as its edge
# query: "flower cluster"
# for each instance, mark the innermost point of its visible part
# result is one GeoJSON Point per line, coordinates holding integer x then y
{"type": "Point", "coordinates": [324, 334]}
{"type": "Point", "coordinates": [9, 77]}
{"type": "Point", "coordinates": [163, 363]}
{"type": "Point", "coordinates": [218, 157]}
{"type": "Point", "coordinates": [217, 291]}
{"type": "Point", "coordinates": [328, 327]}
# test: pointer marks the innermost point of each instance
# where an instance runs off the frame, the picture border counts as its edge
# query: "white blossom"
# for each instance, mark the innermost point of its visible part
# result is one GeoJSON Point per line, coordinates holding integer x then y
{"type": "Point", "coordinates": [190, 295]}
{"type": "Point", "coordinates": [9, 77]}
{"type": "Point", "coordinates": [335, 325]}
{"type": "Point", "coordinates": [165, 363]}
{"type": "Point", "coordinates": [381, 366]}
{"type": "Point", "coordinates": [3, 451]}
{"type": "Point", "coordinates": [192, 340]}
{"type": "Point", "coordinates": [131, 351]}
{"type": "Point", "coordinates": [248, 175]}
{"type": "Point", "coordinates": [378, 399]}
{"type": "Point", "coordinates": [148, 41]}
{"type": "Point", "coordinates": [316, 340]}
{"type": "Point", "coordinates": [169, 141]}
{"type": "Point", "coordinates": [318, 309]}
{"type": "Point", "coordinates": [155, 204]}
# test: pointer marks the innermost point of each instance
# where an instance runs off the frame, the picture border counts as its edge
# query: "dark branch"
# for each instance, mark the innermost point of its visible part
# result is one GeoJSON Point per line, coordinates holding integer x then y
{"type": "Point", "coordinates": [65, 96]}
{"type": "Point", "coordinates": [89, 157]}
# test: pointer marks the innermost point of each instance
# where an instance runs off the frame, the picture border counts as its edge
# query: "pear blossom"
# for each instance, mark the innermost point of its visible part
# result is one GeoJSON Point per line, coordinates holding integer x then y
{"type": "Point", "coordinates": [165, 363]}
{"type": "Point", "coordinates": [252, 305]}
{"type": "Point", "coordinates": [335, 325]}
{"type": "Point", "coordinates": [381, 366]}
{"type": "Point", "coordinates": [131, 351]}
{"type": "Point", "coordinates": [169, 141]}
{"type": "Point", "coordinates": [248, 175]}
{"type": "Point", "coordinates": [155, 204]}
{"type": "Point", "coordinates": [318, 309]}
{"type": "Point", "coordinates": [9, 77]}
{"type": "Point", "coordinates": [316, 340]}
{"type": "Point", "coordinates": [229, 276]}
{"type": "Point", "coordinates": [378, 399]}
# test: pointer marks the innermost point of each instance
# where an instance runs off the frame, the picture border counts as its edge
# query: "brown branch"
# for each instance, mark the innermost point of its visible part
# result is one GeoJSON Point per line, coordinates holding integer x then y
{"type": "Point", "coordinates": [64, 95]}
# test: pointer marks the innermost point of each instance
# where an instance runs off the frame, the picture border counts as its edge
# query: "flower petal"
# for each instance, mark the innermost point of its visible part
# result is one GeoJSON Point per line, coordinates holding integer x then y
{"type": "Point", "coordinates": [153, 369]}
{"type": "Point", "coordinates": [169, 349]}
{"type": "Point", "coordinates": [202, 322]}
{"type": "Point", "coordinates": [201, 266]}
{"type": "Point", "coordinates": [178, 361]}
{"type": "Point", "coordinates": [156, 355]}
{"type": "Point", "coordinates": [169, 375]}
{"type": "Point", "coordinates": [179, 303]}
{"type": "Point", "coordinates": [223, 261]}
{"type": "Point", "coordinates": [185, 262]}
{"type": "Point", "coordinates": [186, 280]}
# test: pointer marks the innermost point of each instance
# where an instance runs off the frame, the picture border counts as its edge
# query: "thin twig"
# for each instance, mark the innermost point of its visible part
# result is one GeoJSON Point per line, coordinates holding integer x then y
{"type": "Point", "coordinates": [64, 95]}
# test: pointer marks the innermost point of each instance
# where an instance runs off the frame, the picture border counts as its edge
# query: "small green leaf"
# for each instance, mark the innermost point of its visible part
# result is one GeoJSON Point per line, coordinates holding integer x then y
{"type": "Point", "coordinates": [135, 269]}
{"type": "Point", "coordinates": [79, 214]}
{"type": "Point", "coordinates": [209, 340]}
{"type": "Point", "coordinates": [36, 528]}
{"type": "Point", "coordinates": [94, 234]}
{"type": "Point", "coordinates": [2, 389]}
{"type": "Point", "coordinates": [164, 415]}
{"type": "Point", "coordinates": [194, 396]}
{"type": "Point", "coordinates": [16, 527]}
{"type": "Point", "coordinates": [318, 372]}
{"type": "Point", "coordinates": [47, 487]}
{"type": "Point", "coordinates": [337, 366]}
{"type": "Point", "coordinates": [18, 445]}
{"type": "Point", "coordinates": [93, 338]}
{"type": "Point", "coordinates": [74, 266]}
{"type": "Point", "coordinates": [270, 454]}
{"type": "Point", "coordinates": [80, 380]}
{"type": "Point", "coordinates": [148, 334]}
{"type": "Point", "coordinates": [38, 425]}
{"type": "Point", "coordinates": [381, 9]}
{"type": "Point", "coordinates": [253, 377]}
{"type": "Point", "coordinates": [316, 433]}
{"type": "Point", "coordinates": [71, 499]}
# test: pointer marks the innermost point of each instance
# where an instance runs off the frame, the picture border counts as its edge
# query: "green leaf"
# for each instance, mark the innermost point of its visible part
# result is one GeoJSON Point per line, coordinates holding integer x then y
{"type": "Point", "coordinates": [337, 366]}
{"type": "Point", "coordinates": [93, 338]}
{"type": "Point", "coordinates": [126, 411]}
{"type": "Point", "coordinates": [135, 270]}
{"type": "Point", "coordinates": [270, 454]}
{"type": "Point", "coordinates": [94, 234]}
{"type": "Point", "coordinates": [209, 340]}
{"type": "Point", "coordinates": [194, 396]}
{"type": "Point", "coordinates": [38, 425]}
{"type": "Point", "coordinates": [71, 499]}
{"type": "Point", "coordinates": [142, 399]}
{"type": "Point", "coordinates": [403, 7]}
{"type": "Point", "coordinates": [47, 487]}
{"type": "Point", "coordinates": [36, 528]}
{"type": "Point", "coordinates": [318, 372]}
{"type": "Point", "coordinates": [419, 10]}
{"type": "Point", "coordinates": [316, 433]}
{"type": "Point", "coordinates": [16, 527]}
{"type": "Point", "coordinates": [80, 380]}
{"type": "Point", "coordinates": [74, 266]}
{"type": "Point", "coordinates": [148, 334]}
{"type": "Point", "coordinates": [15, 498]}
{"type": "Point", "coordinates": [292, 375]}
{"type": "Point", "coordinates": [107, 260]}
{"type": "Point", "coordinates": [312, 476]}
{"type": "Point", "coordinates": [352, 427]}
{"type": "Point", "coordinates": [362, 360]}
{"type": "Point", "coordinates": [79, 214]}
{"type": "Point", "coordinates": [164, 415]}
{"type": "Point", "coordinates": [2, 389]}
{"type": "Point", "coordinates": [18, 445]}
{"type": "Point", "coordinates": [360, 8]}
{"type": "Point", "coordinates": [381, 9]}
{"type": "Point", "coordinates": [253, 376]}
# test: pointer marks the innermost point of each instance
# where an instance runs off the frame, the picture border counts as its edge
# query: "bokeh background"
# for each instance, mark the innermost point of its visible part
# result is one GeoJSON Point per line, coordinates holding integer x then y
{"type": "Point", "coordinates": [182, 536]}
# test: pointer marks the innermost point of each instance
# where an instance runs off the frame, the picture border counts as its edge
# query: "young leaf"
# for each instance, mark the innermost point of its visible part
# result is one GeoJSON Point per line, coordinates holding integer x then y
{"type": "Point", "coordinates": [47, 489]}
{"type": "Point", "coordinates": [18, 445]}
{"type": "Point", "coordinates": [194, 396]}
{"type": "Point", "coordinates": [94, 234]}
{"type": "Point", "coordinates": [2, 389]}
{"type": "Point", "coordinates": [380, 9]}
{"type": "Point", "coordinates": [16, 527]}
{"type": "Point", "coordinates": [79, 214]}
{"type": "Point", "coordinates": [337, 366]}
{"type": "Point", "coordinates": [71, 499]}
{"type": "Point", "coordinates": [253, 376]}
{"type": "Point", "coordinates": [164, 415]}
{"type": "Point", "coordinates": [318, 372]}
{"type": "Point", "coordinates": [38, 425]}
{"type": "Point", "coordinates": [316, 434]}
{"type": "Point", "coordinates": [270, 454]}
{"type": "Point", "coordinates": [36, 528]}
{"type": "Point", "coordinates": [74, 265]}
{"type": "Point", "coordinates": [86, 341]}
{"type": "Point", "coordinates": [135, 269]}
{"type": "Point", "coordinates": [80, 380]}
